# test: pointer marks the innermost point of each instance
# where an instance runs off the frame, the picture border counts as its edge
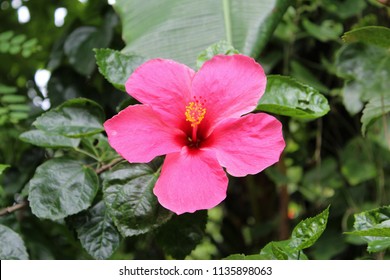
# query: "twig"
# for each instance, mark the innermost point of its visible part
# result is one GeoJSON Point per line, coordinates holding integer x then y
{"type": "Point", "coordinates": [10, 209]}
{"type": "Point", "coordinates": [108, 166]}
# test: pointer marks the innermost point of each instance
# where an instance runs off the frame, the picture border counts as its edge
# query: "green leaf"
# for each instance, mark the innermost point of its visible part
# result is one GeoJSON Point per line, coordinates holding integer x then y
{"type": "Point", "coordinates": [242, 257]}
{"type": "Point", "coordinates": [11, 245]}
{"type": "Point", "coordinates": [319, 183]}
{"type": "Point", "coordinates": [280, 250]}
{"type": "Point", "coordinates": [306, 233]}
{"type": "Point", "coordinates": [362, 62]}
{"type": "Point", "coordinates": [13, 99]}
{"type": "Point", "coordinates": [367, 65]}
{"type": "Point", "coordinates": [344, 8]}
{"type": "Point", "coordinates": [48, 140]}
{"type": "Point", "coordinates": [221, 47]}
{"type": "Point", "coordinates": [352, 96]}
{"type": "Point", "coordinates": [4, 89]}
{"type": "Point", "coordinates": [80, 43]}
{"type": "Point", "coordinates": [288, 97]}
{"type": "Point", "coordinates": [180, 235]}
{"type": "Point", "coordinates": [128, 195]}
{"type": "Point", "coordinates": [374, 227]}
{"type": "Point", "coordinates": [378, 245]}
{"type": "Point", "coordinates": [304, 75]}
{"type": "Point", "coordinates": [6, 36]}
{"type": "Point", "coordinates": [3, 167]}
{"type": "Point", "coordinates": [98, 146]}
{"type": "Point", "coordinates": [376, 231]}
{"type": "Point", "coordinates": [375, 35]}
{"type": "Point", "coordinates": [18, 39]}
{"type": "Point", "coordinates": [275, 250]}
{"type": "Point", "coordinates": [375, 108]}
{"type": "Point", "coordinates": [97, 232]}
{"type": "Point", "coordinates": [378, 132]}
{"type": "Point", "coordinates": [74, 118]}
{"type": "Point", "coordinates": [328, 30]}
{"type": "Point", "coordinates": [117, 67]}
{"type": "Point", "coordinates": [366, 69]}
{"type": "Point", "coordinates": [61, 187]}
{"type": "Point", "coordinates": [357, 167]}
{"type": "Point", "coordinates": [181, 29]}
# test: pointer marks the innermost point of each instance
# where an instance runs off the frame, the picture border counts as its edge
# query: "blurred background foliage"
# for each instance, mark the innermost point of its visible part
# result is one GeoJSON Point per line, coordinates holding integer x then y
{"type": "Point", "coordinates": [341, 159]}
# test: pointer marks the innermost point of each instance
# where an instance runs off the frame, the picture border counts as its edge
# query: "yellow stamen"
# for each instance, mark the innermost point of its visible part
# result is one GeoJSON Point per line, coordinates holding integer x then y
{"type": "Point", "coordinates": [195, 112]}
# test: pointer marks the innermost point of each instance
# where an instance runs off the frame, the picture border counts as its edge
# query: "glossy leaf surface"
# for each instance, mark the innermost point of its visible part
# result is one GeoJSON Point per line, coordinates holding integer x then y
{"type": "Point", "coordinates": [74, 118]}
{"type": "Point", "coordinates": [61, 187]}
{"type": "Point", "coordinates": [97, 232]}
{"type": "Point", "coordinates": [288, 97]}
{"type": "Point", "coordinates": [117, 67]}
{"type": "Point", "coordinates": [129, 198]}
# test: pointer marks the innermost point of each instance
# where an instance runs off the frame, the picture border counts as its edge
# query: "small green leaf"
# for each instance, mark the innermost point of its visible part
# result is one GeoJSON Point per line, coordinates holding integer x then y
{"type": "Point", "coordinates": [128, 195]}
{"type": "Point", "coordinates": [288, 97]}
{"type": "Point", "coordinates": [366, 65]}
{"type": "Point", "coordinates": [11, 245]}
{"type": "Point", "coordinates": [374, 227]}
{"type": "Point", "coordinates": [19, 107]}
{"type": "Point", "coordinates": [6, 36]}
{"type": "Point", "coordinates": [306, 233]}
{"type": "Point", "coordinates": [280, 250]}
{"type": "Point", "coordinates": [78, 47]}
{"type": "Point", "coordinates": [4, 89]}
{"type": "Point", "coordinates": [352, 97]}
{"type": "Point", "coordinates": [304, 75]}
{"type": "Point", "coordinates": [117, 67]}
{"type": "Point", "coordinates": [97, 232]}
{"type": "Point", "coordinates": [221, 47]}
{"type": "Point", "coordinates": [357, 167]}
{"type": "Point", "coordinates": [319, 183]}
{"type": "Point", "coordinates": [98, 146]}
{"type": "Point", "coordinates": [18, 39]}
{"type": "Point", "coordinates": [344, 8]}
{"type": "Point", "coordinates": [180, 235]}
{"type": "Point", "coordinates": [61, 187]}
{"type": "Point", "coordinates": [374, 35]}
{"type": "Point", "coordinates": [74, 118]}
{"type": "Point", "coordinates": [375, 108]}
{"type": "Point", "coordinates": [328, 30]}
{"type": "Point", "coordinates": [3, 167]}
{"type": "Point", "coordinates": [48, 140]}
{"type": "Point", "coordinates": [13, 99]}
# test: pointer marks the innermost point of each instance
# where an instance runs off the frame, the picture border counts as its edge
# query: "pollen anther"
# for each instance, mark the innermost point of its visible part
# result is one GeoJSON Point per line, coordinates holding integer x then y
{"type": "Point", "coordinates": [195, 112]}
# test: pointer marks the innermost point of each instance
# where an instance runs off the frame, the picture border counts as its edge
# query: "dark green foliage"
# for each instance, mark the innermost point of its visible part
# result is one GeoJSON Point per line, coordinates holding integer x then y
{"type": "Point", "coordinates": [66, 194]}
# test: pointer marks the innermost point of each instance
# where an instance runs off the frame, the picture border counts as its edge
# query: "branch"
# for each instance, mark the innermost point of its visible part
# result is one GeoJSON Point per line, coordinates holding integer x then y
{"type": "Point", "coordinates": [108, 166]}
{"type": "Point", "coordinates": [15, 207]}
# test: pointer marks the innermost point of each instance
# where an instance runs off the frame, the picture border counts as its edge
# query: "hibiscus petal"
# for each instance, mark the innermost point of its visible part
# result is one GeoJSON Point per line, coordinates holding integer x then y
{"type": "Point", "coordinates": [138, 134]}
{"type": "Point", "coordinates": [191, 180]}
{"type": "Point", "coordinates": [164, 85]}
{"type": "Point", "coordinates": [247, 145]}
{"type": "Point", "coordinates": [232, 86]}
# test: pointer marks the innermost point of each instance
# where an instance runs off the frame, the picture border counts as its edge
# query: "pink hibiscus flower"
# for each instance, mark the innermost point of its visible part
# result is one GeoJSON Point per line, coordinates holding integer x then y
{"type": "Point", "coordinates": [198, 121]}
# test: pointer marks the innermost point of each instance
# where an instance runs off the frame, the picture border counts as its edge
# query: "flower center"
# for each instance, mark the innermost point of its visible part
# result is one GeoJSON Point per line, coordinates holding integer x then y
{"type": "Point", "coordinates": [195, 112]}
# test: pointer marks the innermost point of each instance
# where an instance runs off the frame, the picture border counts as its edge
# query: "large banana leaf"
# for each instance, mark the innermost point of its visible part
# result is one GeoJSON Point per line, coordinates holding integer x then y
{"type": "Point", "coordinates": [181, 29]}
